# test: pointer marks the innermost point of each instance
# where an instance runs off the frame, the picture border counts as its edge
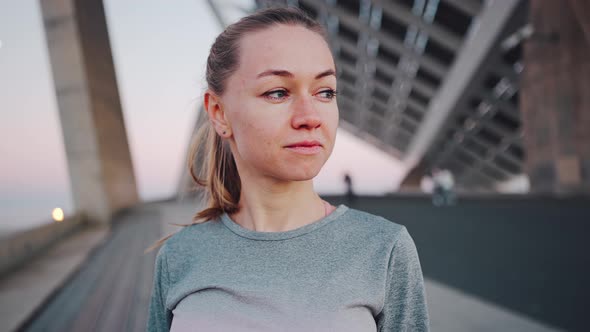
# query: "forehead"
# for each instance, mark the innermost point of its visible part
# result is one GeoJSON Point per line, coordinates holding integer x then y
{"type": "Point", "coordinates": [293, 48]}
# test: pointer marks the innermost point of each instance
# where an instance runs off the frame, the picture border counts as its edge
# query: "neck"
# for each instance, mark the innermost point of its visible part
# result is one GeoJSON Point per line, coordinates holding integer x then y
{"type": "Point", "coordinates": [272, 206]}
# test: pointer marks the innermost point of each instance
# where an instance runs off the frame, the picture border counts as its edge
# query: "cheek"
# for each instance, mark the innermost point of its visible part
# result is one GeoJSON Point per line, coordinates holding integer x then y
{"type": "Point", "coordinates": [256, 140]}
{"type": "Point", "coordinates": [331, 123]}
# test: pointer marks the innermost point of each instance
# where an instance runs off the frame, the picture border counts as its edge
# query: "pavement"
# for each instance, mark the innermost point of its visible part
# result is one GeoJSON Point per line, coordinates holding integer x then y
{"type": "Point", "coordinates": [25, 291]}
{"type": "Point", "coordinates": [453, 310]}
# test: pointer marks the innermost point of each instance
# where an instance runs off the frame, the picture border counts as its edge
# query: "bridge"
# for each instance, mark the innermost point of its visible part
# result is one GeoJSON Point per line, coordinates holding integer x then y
{"type": "Point", "coordinates": [494, 91]}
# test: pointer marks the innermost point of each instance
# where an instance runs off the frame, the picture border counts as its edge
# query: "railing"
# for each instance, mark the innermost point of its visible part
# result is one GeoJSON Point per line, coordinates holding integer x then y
{"type": "Point", "coordinates": [19, 248]}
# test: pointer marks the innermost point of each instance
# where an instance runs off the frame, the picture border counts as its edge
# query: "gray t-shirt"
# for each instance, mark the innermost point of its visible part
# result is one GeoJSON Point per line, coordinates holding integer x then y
{"type": "Point", "coordinates": [349, 271]}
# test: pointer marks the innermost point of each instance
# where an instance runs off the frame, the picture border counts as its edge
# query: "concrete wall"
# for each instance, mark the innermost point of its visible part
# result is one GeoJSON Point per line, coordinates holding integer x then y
{"type": "Point", "coordinates": [95, 140]}
{"type": "Point", "coordinates": [555, 99]}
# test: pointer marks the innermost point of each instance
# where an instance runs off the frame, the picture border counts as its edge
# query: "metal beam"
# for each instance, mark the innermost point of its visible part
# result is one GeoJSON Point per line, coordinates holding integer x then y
{"type": "Point", "coordinates": [347, 103]}
{"type": "Point", "coordinates": [481, 162]}
{"type": "Point", "coordinates": [383, 87]}
{"type": "Point", "coordinates": [366, 137]}
{"type": "Point", "coordinates": [471, 7]}
{"type": "Point", "coordinates": [474, 51]}
{"type": "Point", "coordinates": [392, 44]}
{"type": "Point", "coordinates": [434, 30]}
{"type": "Point", "coordinates": [424, 88]}
{"type": "Point", "coordinates": [379, 103]}
{"type": "Point", "coordinates": [511, 111]}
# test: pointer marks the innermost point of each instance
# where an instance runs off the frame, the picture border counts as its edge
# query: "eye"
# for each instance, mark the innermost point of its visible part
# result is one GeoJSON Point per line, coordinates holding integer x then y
{"type": "Point", "coordinates": [276, 94]}
{"type": "Point", "coordinates": [328, 94]}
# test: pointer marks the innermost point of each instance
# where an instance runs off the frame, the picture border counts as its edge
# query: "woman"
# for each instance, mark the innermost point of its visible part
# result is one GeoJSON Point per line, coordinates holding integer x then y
{"type": "Point", "coordinates": [268, 254]}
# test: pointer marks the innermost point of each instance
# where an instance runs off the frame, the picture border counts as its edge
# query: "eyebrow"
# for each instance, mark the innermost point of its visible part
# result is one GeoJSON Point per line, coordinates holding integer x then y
{"type": "Point", "coordinates": [285, 73]}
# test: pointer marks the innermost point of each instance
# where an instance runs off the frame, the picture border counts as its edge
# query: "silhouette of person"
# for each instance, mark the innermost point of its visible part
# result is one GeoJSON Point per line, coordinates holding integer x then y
{"type": "Point", "coordinates": [349, 191]}
{"type": "Point", "coordinates": [443, 187]}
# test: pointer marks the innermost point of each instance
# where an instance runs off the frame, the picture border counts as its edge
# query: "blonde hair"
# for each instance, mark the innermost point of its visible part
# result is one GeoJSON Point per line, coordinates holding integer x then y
{"type": "Point", "coordinates": [219, 174]}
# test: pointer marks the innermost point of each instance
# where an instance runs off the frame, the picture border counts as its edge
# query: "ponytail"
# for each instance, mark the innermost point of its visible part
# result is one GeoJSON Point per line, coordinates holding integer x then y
{"type": "Point", "coordinates": [219, 176]}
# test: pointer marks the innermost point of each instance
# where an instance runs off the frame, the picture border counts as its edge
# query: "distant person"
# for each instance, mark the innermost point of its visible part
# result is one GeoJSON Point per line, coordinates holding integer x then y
{"type": "Point", "coordinates": [267, 253]}
{"type": "Point", "coordinates": [443, 187]}
{"type": "Point", "coordinates": [349, 191]}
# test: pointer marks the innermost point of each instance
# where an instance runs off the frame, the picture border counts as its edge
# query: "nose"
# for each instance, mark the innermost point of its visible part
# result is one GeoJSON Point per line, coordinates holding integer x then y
{"type": "Point", "coordinates": [305, 114]}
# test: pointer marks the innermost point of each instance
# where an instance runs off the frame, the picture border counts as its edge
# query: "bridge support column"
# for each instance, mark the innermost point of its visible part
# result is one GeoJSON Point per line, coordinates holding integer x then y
{"type": "Point", "coordinates": [555, 99]}
{"type": "Point", "coordinates": [97, 150]}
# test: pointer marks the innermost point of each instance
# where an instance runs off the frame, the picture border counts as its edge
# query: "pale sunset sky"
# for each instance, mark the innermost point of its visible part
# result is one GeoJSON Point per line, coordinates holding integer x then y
{"type": "Point", "coordinates": [159, 52]}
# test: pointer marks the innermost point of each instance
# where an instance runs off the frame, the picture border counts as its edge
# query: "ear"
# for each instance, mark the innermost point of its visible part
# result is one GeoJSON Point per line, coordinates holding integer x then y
{"type": "Point", "coordinates": [216, 114]}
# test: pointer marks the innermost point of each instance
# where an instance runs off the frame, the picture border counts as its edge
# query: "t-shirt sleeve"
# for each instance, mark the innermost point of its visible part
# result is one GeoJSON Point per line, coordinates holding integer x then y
{"type": "Point", "coordinates": [405, 297]}
{"type": "Point", "coordinates": [159, 317]}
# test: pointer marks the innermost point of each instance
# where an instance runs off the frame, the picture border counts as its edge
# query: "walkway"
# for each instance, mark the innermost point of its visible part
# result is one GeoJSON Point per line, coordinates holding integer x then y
{"type": "Point", "coordinates": [111, 290]}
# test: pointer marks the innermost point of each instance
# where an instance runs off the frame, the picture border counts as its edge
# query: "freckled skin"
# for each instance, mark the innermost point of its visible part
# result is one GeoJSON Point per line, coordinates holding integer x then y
{"type": "Point", "coordinates": [260, 127]}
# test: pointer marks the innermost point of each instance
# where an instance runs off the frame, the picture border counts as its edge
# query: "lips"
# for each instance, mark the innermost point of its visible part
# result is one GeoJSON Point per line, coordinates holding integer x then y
{"type": "Point", "coordinates": [305, 147]}
{"type": "Point", "coordinates": [305, 144]}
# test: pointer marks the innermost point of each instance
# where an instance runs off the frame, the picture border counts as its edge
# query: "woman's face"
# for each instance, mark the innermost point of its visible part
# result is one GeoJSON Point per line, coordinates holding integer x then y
{"type": "Point", "coordinates": [280, 104]}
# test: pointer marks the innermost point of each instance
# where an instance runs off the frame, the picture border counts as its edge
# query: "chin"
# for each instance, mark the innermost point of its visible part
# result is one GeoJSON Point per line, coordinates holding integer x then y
{"type": "Point", "coordinates": [302, 177]}
{"type": "Point", "coordinates": [300, 173]}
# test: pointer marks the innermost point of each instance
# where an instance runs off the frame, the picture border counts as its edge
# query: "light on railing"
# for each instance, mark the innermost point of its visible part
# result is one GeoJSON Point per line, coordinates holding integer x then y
{"type": "Point", "coordinates": [57, 214]}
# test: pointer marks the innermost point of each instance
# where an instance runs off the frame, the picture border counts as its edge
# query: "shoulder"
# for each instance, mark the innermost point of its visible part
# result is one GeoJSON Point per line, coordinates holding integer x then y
{"type": "Point", "coordinates": [188, 238]}
{"type": "Point", "coordinates": [389, 238]}
{"type": "Point", "coordinates": [366, 220]}
{"type": "Point", "coordinates": [375, 226]}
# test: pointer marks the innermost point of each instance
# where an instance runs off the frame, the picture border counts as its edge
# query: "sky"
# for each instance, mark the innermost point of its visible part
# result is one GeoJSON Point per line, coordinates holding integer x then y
{"type": "Point", "coordinates": [159, 53]}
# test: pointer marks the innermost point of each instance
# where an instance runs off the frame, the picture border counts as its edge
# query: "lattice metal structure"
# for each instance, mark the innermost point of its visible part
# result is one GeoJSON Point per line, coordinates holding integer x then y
{"type": "Point", "coordinates": [481, 142]}
{"type": "Point", "coordinates": [430, 81]}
